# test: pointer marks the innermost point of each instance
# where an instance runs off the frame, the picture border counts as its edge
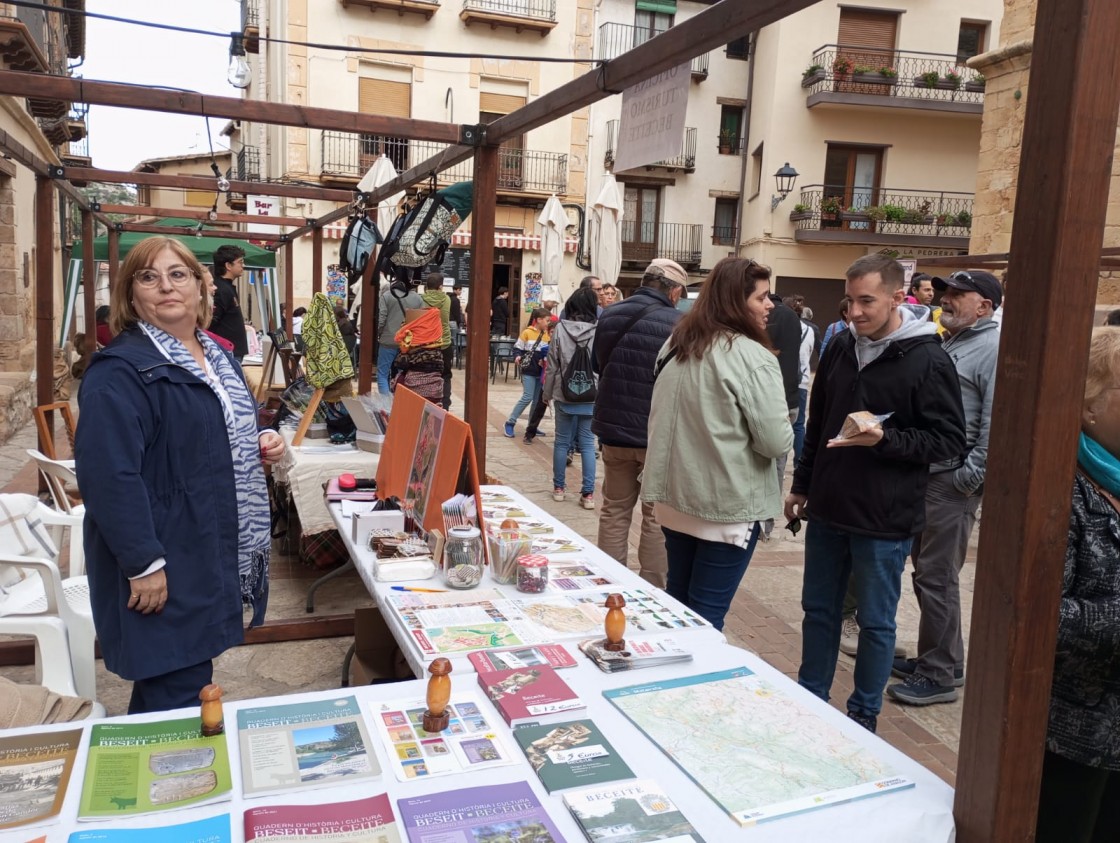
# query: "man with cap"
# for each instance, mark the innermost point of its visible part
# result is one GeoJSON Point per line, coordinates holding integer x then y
{"type": "Point", "coordinates": [953, 495]}
{"type": "Point", "coordinates": [628, 337]}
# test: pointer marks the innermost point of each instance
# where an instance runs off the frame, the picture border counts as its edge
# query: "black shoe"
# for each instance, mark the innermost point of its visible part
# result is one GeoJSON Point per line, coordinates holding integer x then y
{"type": "Point", "coordinates": [921, 690]}
{"type": "Point", "coordinates": [904, 669]}
{"type": "Point", "coordinates": [528, 440]}
{"type": "Point", "coordinates": [867, 721]}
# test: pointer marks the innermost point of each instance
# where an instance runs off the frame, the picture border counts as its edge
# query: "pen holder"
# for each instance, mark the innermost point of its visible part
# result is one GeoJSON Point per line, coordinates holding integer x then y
{"type": "Point", "coordinates": [506, 547]}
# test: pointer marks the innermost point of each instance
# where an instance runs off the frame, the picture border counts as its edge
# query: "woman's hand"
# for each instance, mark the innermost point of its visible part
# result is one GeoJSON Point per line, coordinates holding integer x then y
{"type": "Point", "coordinates": [517, 360]}
{"type": "Point", "coordinates": [272, 447]}
{"type": "Point", "coordinates": [149, 594]}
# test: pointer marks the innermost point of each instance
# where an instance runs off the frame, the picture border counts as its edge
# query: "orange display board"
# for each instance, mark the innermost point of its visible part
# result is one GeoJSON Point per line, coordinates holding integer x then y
{"type": "Point", "coordinates": [428, 457]}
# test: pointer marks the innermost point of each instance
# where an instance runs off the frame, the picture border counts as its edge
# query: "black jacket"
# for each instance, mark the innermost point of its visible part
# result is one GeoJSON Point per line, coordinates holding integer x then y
{"type": "Point", "coordinates": [227, 320]}
{"type": "Point", "coordinates": [626, 377]}
{"type": "Point", "coordinates": [880, 491]}
{"type": "Point", "coordinates": [499, 316]}
{"type": "Point", "coordinates": [784, 329]}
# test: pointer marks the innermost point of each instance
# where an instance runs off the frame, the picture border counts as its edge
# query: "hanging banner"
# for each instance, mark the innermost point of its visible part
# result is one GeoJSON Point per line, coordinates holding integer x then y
{"type": "Point", "coordinates": [652, 125]}
{"type": "Point", "coordinates": [261, 206]}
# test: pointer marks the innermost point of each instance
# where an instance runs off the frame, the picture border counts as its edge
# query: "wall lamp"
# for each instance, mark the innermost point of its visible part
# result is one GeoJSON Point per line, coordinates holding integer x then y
{"type": "Point", "coordinates": [785, 177]}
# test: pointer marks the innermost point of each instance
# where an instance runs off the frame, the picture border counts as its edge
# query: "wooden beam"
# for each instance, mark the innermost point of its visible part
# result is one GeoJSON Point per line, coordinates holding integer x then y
{"type": "Point", "coordinates": [1068, 141]}
{"type": "Point", "coordinates": [477, 381]}
{"type": "Point", "coordinates": [204, 216]}
{"type": "Point", "coordinates": [289, 277]}
{"type": "Point", "coordinates": [145, 228]}
{"type": "Point", "coordinates": [113, 244]}
{"type": "Point", "coordinates": [71, 89]}
{"type": "Point", "coordinates": [44, 298]}
{"type": "Point", "coordinates": [316, 260]}
{"type": "Point", "coordinates": [708, 30]}
{"type": "Point", "coordinates": [89, 281]}
{"type": "Point", "coordinates": [294, 191]}
{"type": "Point", "coordinates": [40, 167]}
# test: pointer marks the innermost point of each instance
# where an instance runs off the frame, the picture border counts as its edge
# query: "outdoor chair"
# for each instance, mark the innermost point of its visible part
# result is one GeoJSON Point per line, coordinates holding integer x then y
{"type": "Point", "coordinates": [459, 342]}
{"type": "Point", "coordinates": [58, 474]}
{"type": "Point", "coordinates": [502, 353]}
{"type": "Point", "coordinates": [46, 433]}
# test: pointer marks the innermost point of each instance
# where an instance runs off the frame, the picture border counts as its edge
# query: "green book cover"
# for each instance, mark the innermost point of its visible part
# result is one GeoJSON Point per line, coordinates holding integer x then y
{"type": "Point", "coordinates": [138, 768]}
{"type": "Point", "coordinates": [573, 754]}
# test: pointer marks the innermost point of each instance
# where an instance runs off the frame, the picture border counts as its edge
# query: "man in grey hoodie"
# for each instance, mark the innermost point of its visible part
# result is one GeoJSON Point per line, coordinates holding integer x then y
{"type": "Point", "coordinates": [953, 494]}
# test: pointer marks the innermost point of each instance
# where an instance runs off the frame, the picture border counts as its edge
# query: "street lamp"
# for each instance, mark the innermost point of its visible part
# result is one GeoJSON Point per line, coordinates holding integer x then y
{"type": "Point", "coordinates": [239, 74]}
{"type": "Point", "coordinates": [785, 177]}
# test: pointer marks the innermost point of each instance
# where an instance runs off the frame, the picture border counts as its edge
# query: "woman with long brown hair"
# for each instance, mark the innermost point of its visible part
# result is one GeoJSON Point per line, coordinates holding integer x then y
{"type": "Point", "coordinates": [717, 423]}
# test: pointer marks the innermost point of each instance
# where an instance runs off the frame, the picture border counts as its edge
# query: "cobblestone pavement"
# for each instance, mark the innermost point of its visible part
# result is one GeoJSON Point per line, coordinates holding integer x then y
{"type": "Point", "coordinates": [765, 616]}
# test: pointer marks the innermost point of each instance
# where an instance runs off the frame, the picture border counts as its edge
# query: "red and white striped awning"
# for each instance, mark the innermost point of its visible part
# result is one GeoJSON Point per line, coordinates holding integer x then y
{"type": "Point", "coordinates": [462, 238]}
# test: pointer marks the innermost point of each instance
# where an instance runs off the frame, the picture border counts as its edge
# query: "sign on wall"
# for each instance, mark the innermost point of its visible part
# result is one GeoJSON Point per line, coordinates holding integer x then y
{"type": "Point", "coordinates": [652, 125]}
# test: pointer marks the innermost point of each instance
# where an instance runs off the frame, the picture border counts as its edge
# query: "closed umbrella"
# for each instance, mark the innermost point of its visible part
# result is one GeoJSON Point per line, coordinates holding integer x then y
{"type": "Point", "coordinates": [552, 223]}
{"type": "Point", "coordinates": [606, 232]}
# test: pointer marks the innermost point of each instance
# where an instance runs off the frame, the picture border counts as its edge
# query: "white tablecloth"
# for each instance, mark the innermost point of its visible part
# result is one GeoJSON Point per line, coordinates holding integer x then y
{"type": "Point", "coordinates": [311, 466]}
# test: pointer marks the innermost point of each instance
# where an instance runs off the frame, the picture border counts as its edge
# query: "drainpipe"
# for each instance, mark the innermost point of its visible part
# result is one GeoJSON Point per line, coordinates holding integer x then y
{"type": "Point", "coordinates": [746, 139]}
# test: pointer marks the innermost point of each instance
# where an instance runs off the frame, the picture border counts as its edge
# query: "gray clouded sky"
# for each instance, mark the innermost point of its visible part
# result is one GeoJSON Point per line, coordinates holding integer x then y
{"type": "Point", "coordinates": [119, 138]}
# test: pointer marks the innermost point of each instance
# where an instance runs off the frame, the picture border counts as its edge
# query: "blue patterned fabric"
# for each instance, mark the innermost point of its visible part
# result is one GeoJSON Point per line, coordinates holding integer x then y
{"type": "Point", "coordinates": [1099, 464]}
{"type": "Point", "coordinates": [239, 410]}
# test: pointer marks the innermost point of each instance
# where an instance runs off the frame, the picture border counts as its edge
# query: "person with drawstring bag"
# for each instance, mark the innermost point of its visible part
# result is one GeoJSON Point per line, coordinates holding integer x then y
{"type": "Point", "coordinates": [391, 313]}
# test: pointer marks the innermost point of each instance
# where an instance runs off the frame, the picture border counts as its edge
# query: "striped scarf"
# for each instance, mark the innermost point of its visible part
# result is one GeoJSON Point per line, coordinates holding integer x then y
{"type": "Point", "coordinates": [239, 410]}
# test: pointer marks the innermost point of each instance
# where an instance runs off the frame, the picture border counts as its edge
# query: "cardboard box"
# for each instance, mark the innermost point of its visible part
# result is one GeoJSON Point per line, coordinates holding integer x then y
{"type": "Point", "coordinates": [385, 519]}
{"type": "Point", "coordinates": [377, 658]}
{"type": "Point", "coordinates": [317, 430]}
{"type": "Point", "coordinates": [371, 442]}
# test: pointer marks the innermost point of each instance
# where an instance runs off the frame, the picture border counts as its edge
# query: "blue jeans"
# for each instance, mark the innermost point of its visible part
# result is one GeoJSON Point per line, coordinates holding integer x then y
{"type": "Point", "coordinates": [386, 354]}
{"type": "Point", "coordinates": [875, 566]}
{"type": "Point", "coordinates": [705, 574]}
{"type": "Point", "coordinates": [799, 425]}
{"type": "Point", "coordinates": [573, 424]}
{"type": "Point", "coordinates": [531, 386]}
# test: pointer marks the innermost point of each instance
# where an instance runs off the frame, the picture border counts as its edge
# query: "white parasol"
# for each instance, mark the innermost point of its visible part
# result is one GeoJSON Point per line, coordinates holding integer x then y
{"type": "Point", "coordinates": [606, 232]}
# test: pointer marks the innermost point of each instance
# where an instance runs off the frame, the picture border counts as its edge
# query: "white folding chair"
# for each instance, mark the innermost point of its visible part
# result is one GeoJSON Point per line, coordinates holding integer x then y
{"type": "Point", "coordinates": [35, 600]}
{"type": "Point", "coordinates": [58, 474]}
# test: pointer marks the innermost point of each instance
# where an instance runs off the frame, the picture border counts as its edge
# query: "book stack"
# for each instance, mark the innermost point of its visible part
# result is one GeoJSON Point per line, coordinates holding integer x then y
{"type": "Point", "coordinates": [645, 652]}
{"type": "Point", "coordinates": [529, 692]}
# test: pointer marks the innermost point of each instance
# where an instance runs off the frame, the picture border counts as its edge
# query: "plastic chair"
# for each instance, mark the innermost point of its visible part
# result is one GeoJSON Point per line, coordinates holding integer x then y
{"type": "Point", "coordinates": [501, 354]}
{"type": "Point", "coordinates": [55, 611]}
{"type": "Point", "coordinates": [58, 474]}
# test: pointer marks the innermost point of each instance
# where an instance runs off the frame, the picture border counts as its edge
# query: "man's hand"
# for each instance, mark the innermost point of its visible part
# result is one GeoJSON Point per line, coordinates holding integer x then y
{"type": "Point", "coordinates": [861, 440]}
{"type": "Point", "coordinates": [272, 447]}
{"type": "Point", "coordinates": [149, 594]}
{"type": "Point", "coordinates": [795, 506]}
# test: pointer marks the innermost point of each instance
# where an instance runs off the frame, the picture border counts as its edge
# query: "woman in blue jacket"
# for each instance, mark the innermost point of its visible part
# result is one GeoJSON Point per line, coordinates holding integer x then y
{"type": "Point", "coordinates": [169, 464]}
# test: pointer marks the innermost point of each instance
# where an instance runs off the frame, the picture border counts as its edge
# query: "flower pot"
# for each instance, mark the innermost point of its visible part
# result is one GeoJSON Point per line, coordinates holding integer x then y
{"type": "Point", "coordinates": [940, 85]}
{"type": "Point", "coordinates": [975, 87]}
{"type": "Point", "coordinates": [798, 216]}
{"type": "Point", "coordinates": [812, 79]}
{"type": "Point", "coordinates": [854, 216]}
{"type": "Point", "coordinates": [872, 79]}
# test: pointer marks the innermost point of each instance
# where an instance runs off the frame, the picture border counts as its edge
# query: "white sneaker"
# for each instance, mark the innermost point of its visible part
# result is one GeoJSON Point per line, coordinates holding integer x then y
{"type": "Point", "coordinates": [849, 636]}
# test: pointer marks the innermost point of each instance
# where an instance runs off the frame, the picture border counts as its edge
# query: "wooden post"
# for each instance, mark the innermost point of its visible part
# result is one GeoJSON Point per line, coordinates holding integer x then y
{"type": "Point", "coordinates": [113, 243]}
{"type": "Point", "coordinates": [1064, 175]}
{"type": "Point", "coordinates": [316, 260]}
{"type": "Point", "coordinates": [476, 384]}
{"type": "Point", "coordinates": [89, 281]}
{"type": "Point", "coordinates": [289, 278]}
{"type": "Point", "coordinates": [44, 298]}
{"type": "Point", "coordinates": [368, 347]}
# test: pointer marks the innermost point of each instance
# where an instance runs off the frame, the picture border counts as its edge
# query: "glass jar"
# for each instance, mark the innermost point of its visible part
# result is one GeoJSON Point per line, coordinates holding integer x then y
{"type": "Point", "coordinates": [506, 547]}
{"type": "Point", "coordinates": [532, 574]}
{"type": "Point", "coordinates": [462, 557]}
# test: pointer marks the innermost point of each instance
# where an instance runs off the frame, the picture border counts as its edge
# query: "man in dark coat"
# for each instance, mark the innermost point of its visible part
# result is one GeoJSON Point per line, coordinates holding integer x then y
{"type": "Point", "coordinates": [228, 321]}
{"type": "Point", "coordinates": [628, 337]}
{"type": "Point", "coordinates": [784, 328]}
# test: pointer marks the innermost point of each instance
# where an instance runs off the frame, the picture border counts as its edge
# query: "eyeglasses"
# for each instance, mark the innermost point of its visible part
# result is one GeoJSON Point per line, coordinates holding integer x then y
{"type": "Point", "coordinates": [150, 277]}
{"type": "Point", "coordinates": [961, 275]}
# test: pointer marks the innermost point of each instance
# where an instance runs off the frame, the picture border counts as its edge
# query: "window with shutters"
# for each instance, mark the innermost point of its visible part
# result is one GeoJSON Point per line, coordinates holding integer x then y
{"type": "Point", "coordinates": [511, 154]}
{"type": "Point", "coordinates": [723, 226]}
{"type": "Point", "coordinates": [730, 129]}
{"type": "Point", "coordinates": [972, 40]}
{"type": "Point", "coordinates": [649, 23]}
{"type": "Point", "coordinates": [866, 44]}
{"type": "Point", "coordinates": [851, 174]}
{"type": "Point", "coordinates": [198, 198]}
{"type": "Point", "coordinates": [389, 99]}
{"type": "Point", "coordinates": [641, 210]}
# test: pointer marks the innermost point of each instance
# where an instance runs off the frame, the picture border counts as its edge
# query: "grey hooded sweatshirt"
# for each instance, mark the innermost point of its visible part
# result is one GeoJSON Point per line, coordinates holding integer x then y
{"type": "Point", "coordinates": [566, 336]}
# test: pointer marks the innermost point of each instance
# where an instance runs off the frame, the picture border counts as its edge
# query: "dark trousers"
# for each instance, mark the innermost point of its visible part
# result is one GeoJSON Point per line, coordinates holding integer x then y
{"type": "Point", "coordinates": [177, 689]}
{"type": "Point", "coordinates": [1077, 803]}
{"type": "Point", "coordinates": [535, 416]}
{"type": "Point", "coordinates": [448, 359]}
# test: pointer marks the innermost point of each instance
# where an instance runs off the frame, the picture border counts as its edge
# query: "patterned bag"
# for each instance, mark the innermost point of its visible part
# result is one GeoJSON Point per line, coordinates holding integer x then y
{"type": "Point", "coordinates": [427, 230]}
{"type": "Point", "coordinates": [326, 361]}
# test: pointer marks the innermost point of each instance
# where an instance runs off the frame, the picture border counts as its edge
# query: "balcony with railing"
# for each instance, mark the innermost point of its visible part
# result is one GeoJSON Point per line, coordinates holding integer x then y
{"type": "Point", "coordinates": [427, 8]}
{"type": "Point", "coordinates": [616, 38]}
{"type": "Point", "coordinates": [250, 25]}
{"type": "Point", "coordinates": [533, 15]}
{"type": "Point", "coordinates": [644, 241]}
{"type": "Point", "coordinates": [685, 161]}
{"type": "Point", "coordinates": [246, 167]}
{"type": "Point", "coordinates": [725, 235]}
{"type": "Point", "coordinates": [882, 216]}
{"type": "Point", "coordinates": [346, 157]}
{"type": "Point", "coordinates": [867, 76]}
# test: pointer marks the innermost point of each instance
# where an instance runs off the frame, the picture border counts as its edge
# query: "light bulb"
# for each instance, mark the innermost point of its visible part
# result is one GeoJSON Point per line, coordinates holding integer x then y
{"type": "Point", "coordinates": [213, 215]}
{"type": "Point", "coordinates": [239, 74]}
{"type": "Point", "coordinates": [223, 184]}
{"type": "Point", "coordinates": [198, 231]}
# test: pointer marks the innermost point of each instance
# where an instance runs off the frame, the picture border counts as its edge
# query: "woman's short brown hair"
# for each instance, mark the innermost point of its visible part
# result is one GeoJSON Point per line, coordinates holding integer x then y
{"type": "Point", "coordinates": [1104, 363]}
{"type": "Point", "coordinates": [122, 313]}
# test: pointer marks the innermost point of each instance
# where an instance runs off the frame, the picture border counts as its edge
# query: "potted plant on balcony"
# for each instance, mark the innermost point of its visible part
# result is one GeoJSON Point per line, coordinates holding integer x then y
{"type": "Point", "coordinates": [867, 75]}
{"type": "Point", "coordinates": [951, 80]}
{"type": "Point", "coordinates": [811, 75]}
{"type": "Point", "coordinates": [728, 143]}
{"type": "Point", "coordinates": [975, 84]}
{"type": "Point", "coordinates": [856, 214]}
{"type": "Point", "coordinates": [831, 207]}
{"type": "Point", "coordinates": [800, 211]}
{"type": "Point", "coordinates": [842, 67]}
{"type": "Point", "coordinates": [918, 216]}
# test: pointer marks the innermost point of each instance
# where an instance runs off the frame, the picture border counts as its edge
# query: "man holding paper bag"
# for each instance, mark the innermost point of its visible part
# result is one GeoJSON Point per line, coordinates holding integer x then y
{"type": "Point", "coordinates": [885, 404]}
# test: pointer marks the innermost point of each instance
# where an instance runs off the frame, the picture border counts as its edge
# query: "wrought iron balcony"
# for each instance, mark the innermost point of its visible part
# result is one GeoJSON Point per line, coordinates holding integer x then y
{"type": "Point", "coordinates": [893, 78]}
{"type": "Point", "coordinates": [535, 15]}
{"type": "Point", "coordinates": [616, 38]}
{"type": "Point", "coordinates": [725, 235]}
{"type": "Point", "coordinates": [248, 164]}
{"type": "Point", "coordinates": [685, 161]}
{"type": "Point", "coordinates": [729, 144]}
{"type": "Point", "coordinates": [427, 8]}
{"type": "Point", "coordinates": [644, 241]}
{"type": "Point", "coordinates": [346, 157]}
{"type": "Point", "coordinates": [250, 25]}
{"type": "Point", "coordinates": [839, 213]}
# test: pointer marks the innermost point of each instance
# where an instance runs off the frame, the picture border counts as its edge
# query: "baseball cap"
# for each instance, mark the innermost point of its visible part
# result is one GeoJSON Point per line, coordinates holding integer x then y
{"type": "Point", "coordinates": [667, 268]}
{"type": "Point", "coordinates": [974, 281]}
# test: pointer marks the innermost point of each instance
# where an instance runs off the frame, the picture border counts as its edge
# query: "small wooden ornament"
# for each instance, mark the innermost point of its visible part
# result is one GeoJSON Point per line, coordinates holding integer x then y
{"type": "Point", "coordinates": [615, 623]}
{"type": "Point", "coordinates": [436, 718]}
{"type": "Point", "coordinates": [213, 723]}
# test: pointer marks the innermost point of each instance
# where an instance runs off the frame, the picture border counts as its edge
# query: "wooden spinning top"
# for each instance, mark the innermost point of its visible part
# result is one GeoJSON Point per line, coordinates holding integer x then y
{"type": "Point", "coordinates": [213, 723]}
{"type": "Point", "coordinates": [615, 623]}
{"type": "Point", "coordinates": [436, 717]}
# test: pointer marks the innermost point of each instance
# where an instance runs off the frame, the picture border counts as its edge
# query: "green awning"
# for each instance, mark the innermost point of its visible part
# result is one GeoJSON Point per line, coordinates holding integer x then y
{"type": "Point", "coordinates": [664, 7]}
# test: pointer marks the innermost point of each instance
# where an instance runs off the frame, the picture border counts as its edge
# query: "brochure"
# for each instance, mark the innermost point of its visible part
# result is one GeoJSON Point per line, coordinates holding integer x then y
{"type": "Point", "coordinates": [287, 747]}
{"type": "Point", "coordinates": [137, 768]}
{"type": "Point", "coordinates": [631, 812]}
{"type": "Point", "coordinates": [500, 812]}
{"type": "Point", "coordinates": [211, 830]}
{"type": "Point", "coordinates": [34, 772]}
{"type": "Point", "coordinates": [552, 655]}
{"type": "Point", "coordinates": [527, 692]}
{"type": "Point", "coordinates": [640, 652]}
{"type": "Point", "coordinates": [573, 754]}
{"type": "Point", "coordinates": [470, 741]}
{"type": "Point", "coordinates": [362, 821]}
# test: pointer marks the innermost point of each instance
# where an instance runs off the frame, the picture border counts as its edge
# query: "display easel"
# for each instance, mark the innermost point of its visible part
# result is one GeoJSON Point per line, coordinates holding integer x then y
{"type": "Point", "coordinates": [422, 464]}
{"type": "Point", "coordinates": [269, 364]}
{"type": "Point", "coordinates": [308, 415]}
